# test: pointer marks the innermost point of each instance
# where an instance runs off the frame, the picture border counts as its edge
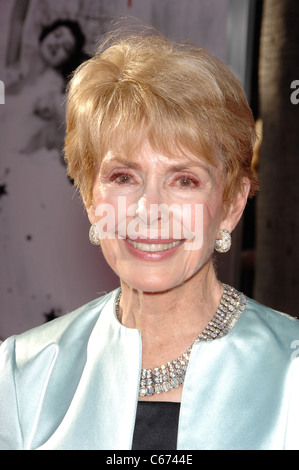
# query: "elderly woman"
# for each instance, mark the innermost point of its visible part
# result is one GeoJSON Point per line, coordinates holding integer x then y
{"type": "Point", "coordinates": [159, 142]}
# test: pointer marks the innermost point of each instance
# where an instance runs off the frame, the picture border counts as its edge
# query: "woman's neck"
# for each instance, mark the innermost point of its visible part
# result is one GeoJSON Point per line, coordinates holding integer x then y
{"type": "Point", "coordinates": [170, 321]}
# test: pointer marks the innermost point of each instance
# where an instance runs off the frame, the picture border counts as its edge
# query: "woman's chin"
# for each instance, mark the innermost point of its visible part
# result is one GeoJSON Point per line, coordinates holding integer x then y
{"type": "Point", "coordinates": [150, 284]}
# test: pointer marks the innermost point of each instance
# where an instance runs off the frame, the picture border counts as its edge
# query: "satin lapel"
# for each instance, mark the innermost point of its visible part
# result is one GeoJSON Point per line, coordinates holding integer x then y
{"type": "Point", "coordinates": [228, 398]}
{"type": "Point", "coordinates": [102, 412]}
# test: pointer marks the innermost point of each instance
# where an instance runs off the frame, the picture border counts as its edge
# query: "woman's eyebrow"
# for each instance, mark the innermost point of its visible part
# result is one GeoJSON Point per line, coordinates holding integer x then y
{"type": "Point", "coordinates": [173, 167]}
{"type": "Point", "coordinates": [190, 166]}
{"type": "Point", "coordinates": [122, 162]}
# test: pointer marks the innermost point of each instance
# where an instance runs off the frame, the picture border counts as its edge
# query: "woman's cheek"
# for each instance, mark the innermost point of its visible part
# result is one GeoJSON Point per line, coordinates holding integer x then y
{"type": "Point", "coordinates": [112, 212]}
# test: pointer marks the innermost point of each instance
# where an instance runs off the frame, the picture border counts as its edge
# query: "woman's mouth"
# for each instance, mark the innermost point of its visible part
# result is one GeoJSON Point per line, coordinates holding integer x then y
{"type": "Point", "coordinates": [153, 247]}
{"type": "Point", "coordinates": [152, 250]}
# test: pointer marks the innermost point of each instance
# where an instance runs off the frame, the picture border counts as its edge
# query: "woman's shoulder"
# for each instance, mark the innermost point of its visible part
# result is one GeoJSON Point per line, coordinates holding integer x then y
{"type": "Point", "coordinates": [69, 328]}
{"type": "Point", "coordinates": [277, 323]}
{"type": "Point", "coordinates": [271, 314]}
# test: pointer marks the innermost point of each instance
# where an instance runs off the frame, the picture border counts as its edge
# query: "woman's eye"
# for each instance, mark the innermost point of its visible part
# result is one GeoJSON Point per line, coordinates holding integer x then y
{"type": "Point", "coordinates": [122, 178]}
{"type": "Point", "coordinates": [187, 182]}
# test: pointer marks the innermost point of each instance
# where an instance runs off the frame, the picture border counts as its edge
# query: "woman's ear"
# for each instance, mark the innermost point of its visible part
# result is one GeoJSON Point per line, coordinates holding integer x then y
{"type": "Point", "coordinates": [235, 208]}
{"type": "Point", "coordinates": [89, 207]}
{"type": "Point", "coordinates": [91, 213]}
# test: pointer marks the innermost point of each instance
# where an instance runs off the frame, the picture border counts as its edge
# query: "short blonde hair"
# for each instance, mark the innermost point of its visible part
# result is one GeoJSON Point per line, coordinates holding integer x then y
{"type": "Point", "coordinates": [177, 97]}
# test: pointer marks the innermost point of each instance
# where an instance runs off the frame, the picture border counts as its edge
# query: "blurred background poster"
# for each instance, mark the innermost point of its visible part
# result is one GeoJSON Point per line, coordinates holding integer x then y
{"type": "Point", "coordinates": [48, 267]}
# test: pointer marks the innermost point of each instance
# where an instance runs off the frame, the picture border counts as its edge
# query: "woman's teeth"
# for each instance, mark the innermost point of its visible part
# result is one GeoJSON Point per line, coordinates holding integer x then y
{"type": "Point", "coordinates": [153, 246]}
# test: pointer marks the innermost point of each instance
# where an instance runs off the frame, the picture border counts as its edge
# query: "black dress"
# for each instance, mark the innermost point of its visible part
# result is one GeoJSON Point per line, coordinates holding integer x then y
{"type": "Point", "coordinates": [156, 425]}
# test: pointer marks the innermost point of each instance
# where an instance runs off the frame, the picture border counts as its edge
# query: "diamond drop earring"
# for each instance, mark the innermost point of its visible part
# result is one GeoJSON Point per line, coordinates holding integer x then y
{"type": "Point", "coordinates": [94, 235]}
{"type": "Point", "coordinates": [224, 243]}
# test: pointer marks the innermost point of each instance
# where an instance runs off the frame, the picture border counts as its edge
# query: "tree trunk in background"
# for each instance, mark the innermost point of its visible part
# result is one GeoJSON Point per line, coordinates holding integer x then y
{"type": "Point", "coordinates": [277, 263]}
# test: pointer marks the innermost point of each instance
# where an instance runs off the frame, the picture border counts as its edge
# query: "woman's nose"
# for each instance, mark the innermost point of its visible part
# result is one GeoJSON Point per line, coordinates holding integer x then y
{"type": "Point", "coordinates": [150, 206]}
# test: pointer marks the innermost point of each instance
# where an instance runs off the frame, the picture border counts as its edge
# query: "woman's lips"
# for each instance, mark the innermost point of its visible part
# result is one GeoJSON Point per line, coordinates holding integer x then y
{"type": "Point", "coordinates": [152, 249]}
{"type": "Point", "coordinates": [153, 245]}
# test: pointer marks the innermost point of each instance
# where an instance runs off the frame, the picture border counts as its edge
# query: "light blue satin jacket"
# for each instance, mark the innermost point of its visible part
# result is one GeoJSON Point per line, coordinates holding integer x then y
{"type": "Point", "coordinates": [73, 384]}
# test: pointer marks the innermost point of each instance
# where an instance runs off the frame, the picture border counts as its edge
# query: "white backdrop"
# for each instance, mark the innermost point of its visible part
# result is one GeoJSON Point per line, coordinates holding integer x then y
{"type": "Point", "coordinates": [47, 265]}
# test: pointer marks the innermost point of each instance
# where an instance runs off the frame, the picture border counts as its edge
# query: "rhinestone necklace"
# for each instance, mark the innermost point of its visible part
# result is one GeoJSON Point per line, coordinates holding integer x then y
{"type": "Point", "coordinates": [172, 375]}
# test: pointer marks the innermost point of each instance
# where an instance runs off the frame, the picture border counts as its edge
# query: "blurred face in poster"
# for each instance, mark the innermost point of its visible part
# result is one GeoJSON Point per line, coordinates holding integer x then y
{"type": "Point", "coordinates": [58, 46]}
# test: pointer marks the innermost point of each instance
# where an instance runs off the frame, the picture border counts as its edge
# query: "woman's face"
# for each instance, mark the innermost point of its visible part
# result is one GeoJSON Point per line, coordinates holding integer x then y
{"type": "Point", "coordinates": [158, 217]}
{"type": "Point", "coordinates": [58, 46]}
